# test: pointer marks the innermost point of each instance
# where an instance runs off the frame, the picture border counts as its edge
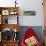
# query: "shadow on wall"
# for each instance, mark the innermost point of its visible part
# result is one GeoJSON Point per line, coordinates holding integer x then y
{"type": "Point", "coordinates": [37, 29]}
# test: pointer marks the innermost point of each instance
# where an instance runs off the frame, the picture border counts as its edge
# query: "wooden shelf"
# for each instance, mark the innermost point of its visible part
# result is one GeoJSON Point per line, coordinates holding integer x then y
{"type": "Point", "coordinates": [9, 43]}
{"type": "Point", "coordinates": [4, 24]}
{"type": "Point", "coordinates": [11, 26]}
{"type": "Point", "coordinates": [9, 8]}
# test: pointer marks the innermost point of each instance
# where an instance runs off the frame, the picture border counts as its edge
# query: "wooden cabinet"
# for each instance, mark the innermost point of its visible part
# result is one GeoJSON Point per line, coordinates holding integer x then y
{"type": "Point", "coordinates": [9, 26]}
{"type": "Point", "coordinates": [9, 15]}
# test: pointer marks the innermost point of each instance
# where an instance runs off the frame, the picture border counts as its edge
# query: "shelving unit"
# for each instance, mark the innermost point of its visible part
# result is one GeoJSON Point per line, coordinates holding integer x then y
{"type": "Point", "coordinates": [9, 22]}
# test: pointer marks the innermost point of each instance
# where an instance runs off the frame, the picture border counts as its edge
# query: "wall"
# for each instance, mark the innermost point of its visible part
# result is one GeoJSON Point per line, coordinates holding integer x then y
{"type": "Point", "coordinates": [33, 5]}
{"type": "Point", "coordinates": [27, 5]}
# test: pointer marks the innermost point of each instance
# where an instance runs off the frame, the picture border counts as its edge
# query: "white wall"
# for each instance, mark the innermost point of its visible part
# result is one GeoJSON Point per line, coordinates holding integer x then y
{"type": "Point", "coordinates": [35, 5]}
{"type": "Point", "coordinates": [27, 5]}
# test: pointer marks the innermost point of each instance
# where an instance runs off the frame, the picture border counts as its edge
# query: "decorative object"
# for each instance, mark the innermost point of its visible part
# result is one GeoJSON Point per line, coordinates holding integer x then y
{"type": "Point", "coordinates": [6, 21]}
{"type": "Point", "coordinates": [31, 41]}
{"type": "Point", "coordinates": [29, 13]}
{"type": "Point", "coordinates": [5, 12]}
{"type": "Point", "coordinates": [15, 30]}
{"type": "Point", "coordinates": [30, 38]}
{"type": "Point", "coordinates": [7, 34]}
{"type": "Point", "coordinates": [15, 3]}
{"type": "Point", "coordinates": [13, 12]}
{"type": "Point", "coordinates": [15, 36]}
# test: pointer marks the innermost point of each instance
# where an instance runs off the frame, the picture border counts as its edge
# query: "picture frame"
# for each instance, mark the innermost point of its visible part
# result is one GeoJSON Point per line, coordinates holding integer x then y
{"type": "Point", "coordinates": [29, 13]}
{"type": "Point", "coordinates": [5, 12]}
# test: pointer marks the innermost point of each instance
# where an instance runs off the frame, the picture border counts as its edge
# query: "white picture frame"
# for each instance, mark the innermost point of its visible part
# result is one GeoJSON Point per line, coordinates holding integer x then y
{"type": "Point", "coordinates": [5, 12]}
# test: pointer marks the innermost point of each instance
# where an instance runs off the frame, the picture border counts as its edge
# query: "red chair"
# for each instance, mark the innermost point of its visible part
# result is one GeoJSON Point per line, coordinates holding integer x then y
{"type": "Point", "coordinates": [29, 33]}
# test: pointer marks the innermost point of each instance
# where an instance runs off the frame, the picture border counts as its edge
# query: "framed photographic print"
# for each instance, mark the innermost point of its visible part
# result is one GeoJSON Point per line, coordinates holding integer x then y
{"type": "Point", "coordinates": [5, 12]}
{"type": "Point", "coordinates": [29, 13]}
